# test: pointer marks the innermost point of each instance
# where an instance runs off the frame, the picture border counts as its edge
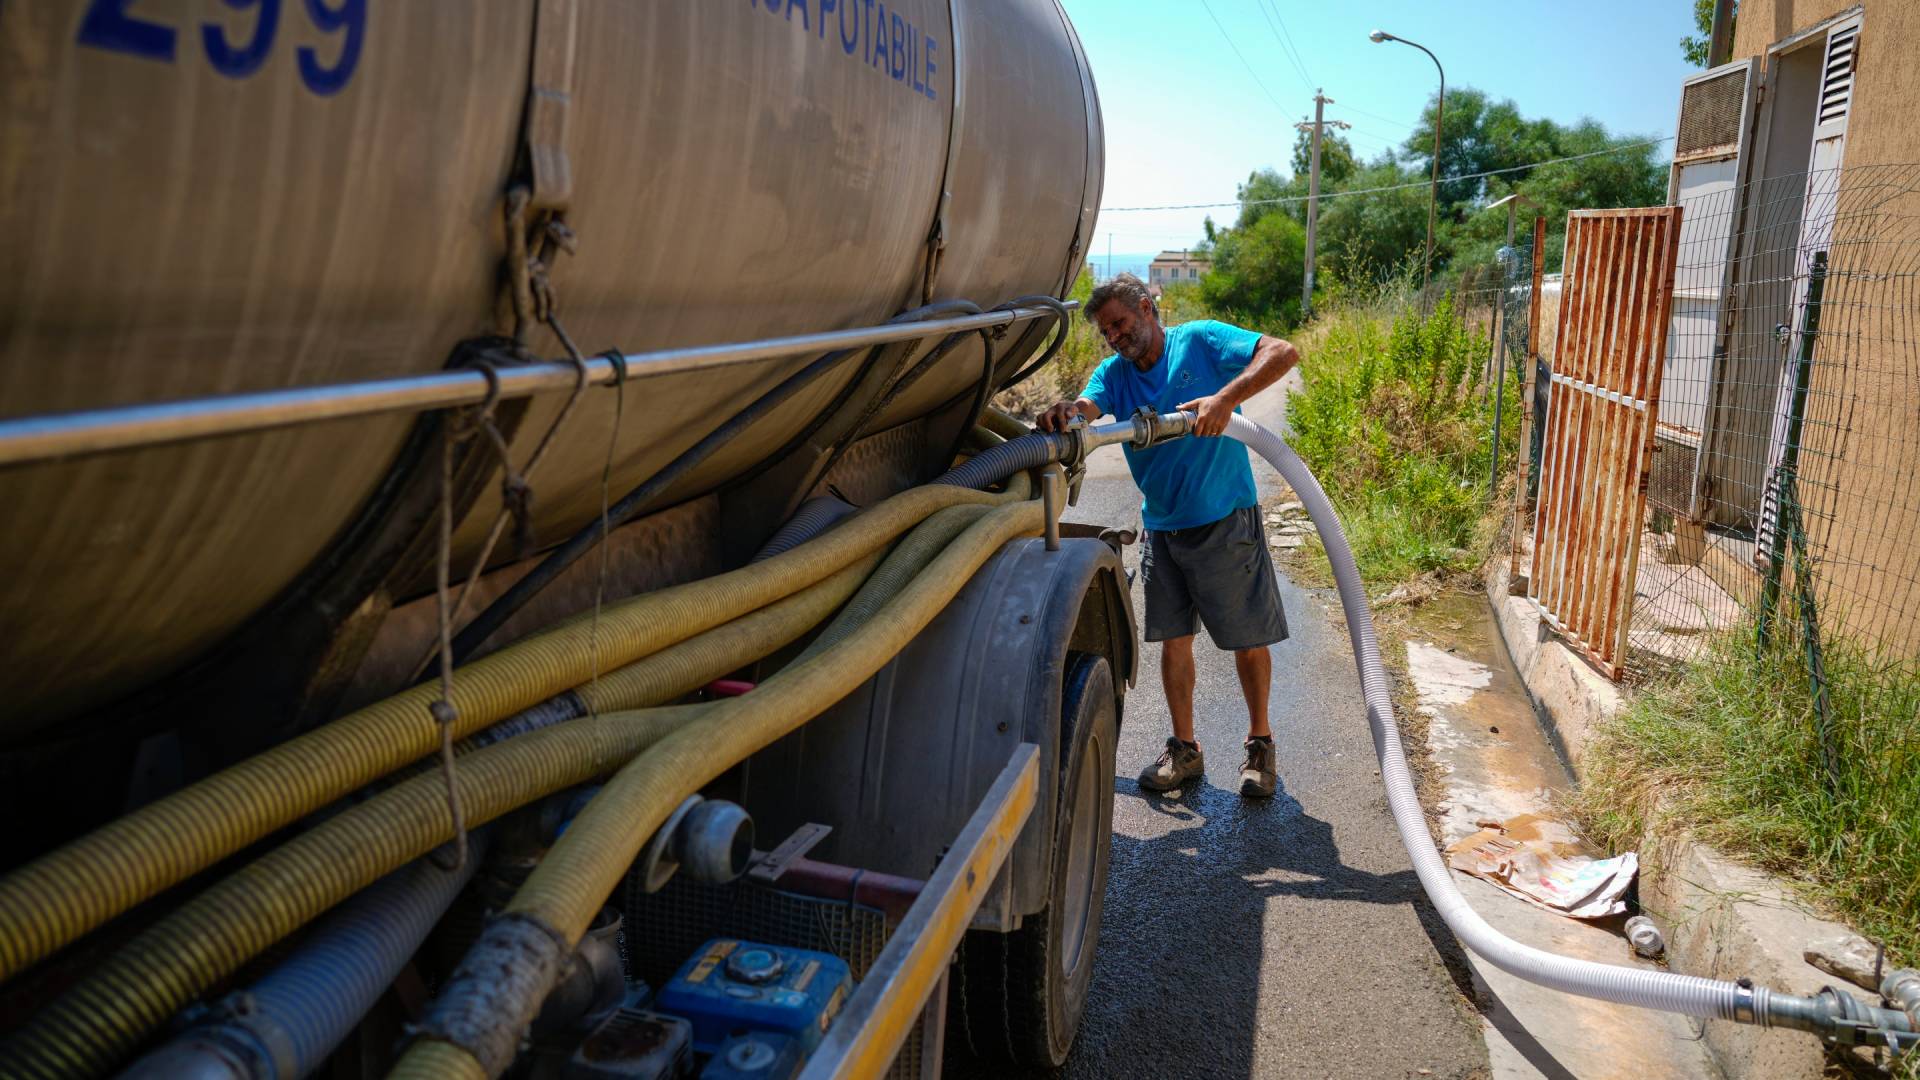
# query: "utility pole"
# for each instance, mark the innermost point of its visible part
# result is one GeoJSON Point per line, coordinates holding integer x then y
{"type": "Point", "coordinates": [1320, 123]}
{"type": "Point", "coordinates": [1109, 256]}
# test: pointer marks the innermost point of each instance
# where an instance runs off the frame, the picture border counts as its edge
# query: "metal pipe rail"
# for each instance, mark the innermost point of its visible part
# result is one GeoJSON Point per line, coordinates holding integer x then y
{"type": "Point", "coordinates": [57, 436]}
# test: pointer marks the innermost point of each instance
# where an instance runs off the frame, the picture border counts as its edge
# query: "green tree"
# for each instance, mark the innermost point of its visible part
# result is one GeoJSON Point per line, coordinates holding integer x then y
{"type": "Point", "coordinates": [1257, 271]}
{"type": "Point", "coordinates": [1481, 136]}
{"type": "Point", "coordinates": [1259, 194]}
{"type": "Point", "coordinates": [1478, 135]}
{"type": "Point", "coordinates": [1697, 49]}
{"type": "Point", "coordinates": [1365, 238]}
{"type": "Point", "coordinates": [1632, 176]}
{"type": "Point", "coordinates": [1337, 163]}
{"type": "Point", "coordinates": [1373, 216]}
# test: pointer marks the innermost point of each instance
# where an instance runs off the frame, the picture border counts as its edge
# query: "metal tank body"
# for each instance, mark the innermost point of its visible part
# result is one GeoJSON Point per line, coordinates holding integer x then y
{"type": "Point", "coordinates": [201, 198]}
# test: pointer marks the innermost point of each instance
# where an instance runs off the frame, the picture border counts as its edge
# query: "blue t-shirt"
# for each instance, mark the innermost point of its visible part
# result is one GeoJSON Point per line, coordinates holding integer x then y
{"type": "Point", "coordinates": [1189, 481]}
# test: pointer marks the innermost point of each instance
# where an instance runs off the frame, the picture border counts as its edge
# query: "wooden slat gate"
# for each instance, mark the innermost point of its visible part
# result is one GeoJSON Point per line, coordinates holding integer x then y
{"type": "Point", "coordinates": [1616, 297]}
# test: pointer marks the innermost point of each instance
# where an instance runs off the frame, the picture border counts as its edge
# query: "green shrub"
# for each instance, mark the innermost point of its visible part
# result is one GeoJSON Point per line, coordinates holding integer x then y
{"type": "Point", "coordinates": [1728, 746]}
{"type": "Point", "coordinates": [1395, 420]}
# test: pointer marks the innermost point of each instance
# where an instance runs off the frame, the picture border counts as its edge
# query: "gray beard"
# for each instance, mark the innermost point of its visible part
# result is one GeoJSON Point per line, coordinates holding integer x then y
{"type": "Point", "coordinates": [1139, 352]}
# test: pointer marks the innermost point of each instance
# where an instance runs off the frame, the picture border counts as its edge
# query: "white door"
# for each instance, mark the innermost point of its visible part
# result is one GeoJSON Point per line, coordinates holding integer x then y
{"type": "Point", "coordinates": [1832, 106]}
{"type": "Point", "coordinates": [1710, 165]}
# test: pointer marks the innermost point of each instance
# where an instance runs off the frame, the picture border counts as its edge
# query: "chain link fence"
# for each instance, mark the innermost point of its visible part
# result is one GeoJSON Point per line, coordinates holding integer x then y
{"type": "Point", "coordinates": [1783, 499]}
{"type": "Point", "coordinates": [1786, 486]}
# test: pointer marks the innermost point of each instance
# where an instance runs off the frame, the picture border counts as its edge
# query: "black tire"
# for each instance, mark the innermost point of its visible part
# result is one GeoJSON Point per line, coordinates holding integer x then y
{"type": "Point", "coordinates": [1019, 997]}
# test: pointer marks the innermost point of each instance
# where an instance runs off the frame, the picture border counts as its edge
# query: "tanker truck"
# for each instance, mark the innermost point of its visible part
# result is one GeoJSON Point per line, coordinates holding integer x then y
{"type": "Point", "coordinates": [514, 570]}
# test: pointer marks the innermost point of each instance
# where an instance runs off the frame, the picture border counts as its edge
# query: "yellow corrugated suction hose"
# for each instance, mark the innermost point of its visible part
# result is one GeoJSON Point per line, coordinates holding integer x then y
{"type": "Point", "coordinates": [979, 438]}
{"type": "Point", "coordinates": [1003, 425]}
{"type": "Point", "coordinates": [575, 878]}
{"type": "Point", "coordinates": [137, 988]}
{"type": "Point", "coordinates": [685, 667]}
{"type": "Point", "coordinates": [905, 562]}
{"type": "Point", "coordinates": [62, 895]}
{"type": "Point", "coordinates": [697, 661]}
{"type": "Point", "coordinates": [286, 886]}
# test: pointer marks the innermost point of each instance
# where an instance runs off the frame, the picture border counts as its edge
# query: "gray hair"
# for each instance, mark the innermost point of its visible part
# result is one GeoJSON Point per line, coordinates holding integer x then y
{"type": "Point", "coordinates": [1123, 287]}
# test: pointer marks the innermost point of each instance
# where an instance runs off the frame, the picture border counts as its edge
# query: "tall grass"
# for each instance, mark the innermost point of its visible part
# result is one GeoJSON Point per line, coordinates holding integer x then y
{"type": "Point", "coordinates": [1394, 420]}
{"type": "Point", "coordinates": [1727, 748]}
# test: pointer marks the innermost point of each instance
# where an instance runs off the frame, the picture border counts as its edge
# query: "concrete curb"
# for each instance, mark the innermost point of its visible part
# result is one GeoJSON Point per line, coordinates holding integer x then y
{"type": "Point", "coordinates": [1725, 921]}
{"type": "Point", "coordinates": [1570, 696]}
{"type": "Point", "coordinates": [1722, 920]}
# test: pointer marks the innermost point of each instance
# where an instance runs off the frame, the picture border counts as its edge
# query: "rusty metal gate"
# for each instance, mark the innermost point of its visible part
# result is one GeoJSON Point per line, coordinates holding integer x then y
{"type": "Point", "coordinates": [1616, 296]}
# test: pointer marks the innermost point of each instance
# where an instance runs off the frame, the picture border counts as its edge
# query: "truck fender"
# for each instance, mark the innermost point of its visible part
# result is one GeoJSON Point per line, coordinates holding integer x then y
{"type": "Point", "coordinates": [897, 766]}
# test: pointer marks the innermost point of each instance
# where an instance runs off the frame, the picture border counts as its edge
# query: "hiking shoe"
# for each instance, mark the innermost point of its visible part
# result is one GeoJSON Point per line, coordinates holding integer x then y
{"type": "Point", "coordinates": [1257, 775]}
{"type": "Point", "coordinates": [1176, 765]}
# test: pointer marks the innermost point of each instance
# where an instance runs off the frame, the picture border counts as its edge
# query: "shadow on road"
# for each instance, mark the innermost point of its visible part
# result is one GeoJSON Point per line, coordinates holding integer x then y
{"type": "Point", "coordinates": [1188, 940]}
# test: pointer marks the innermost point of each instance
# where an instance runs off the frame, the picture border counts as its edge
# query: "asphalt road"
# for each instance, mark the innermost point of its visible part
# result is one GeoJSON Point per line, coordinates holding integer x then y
{"type": "Point", "coordinates": [1281, 938]}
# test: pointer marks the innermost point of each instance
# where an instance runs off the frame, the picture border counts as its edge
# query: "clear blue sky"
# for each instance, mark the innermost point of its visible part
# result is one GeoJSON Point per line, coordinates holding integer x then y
{"type": "Point", "coordinates": [1186, 122]}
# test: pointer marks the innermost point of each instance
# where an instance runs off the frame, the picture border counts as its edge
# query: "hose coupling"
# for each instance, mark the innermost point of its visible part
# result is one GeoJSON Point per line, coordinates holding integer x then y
{"type": "Point", "coordinates": [1839, 1018]}
{"type": "Point", "coordinates": [592, 984]}
{"type": "Point", "coordinates": [489, 999]}
{"type": "Point", "coordinates": [1143, 429]}
{"type": "Point", "coordinates": [1902, 987]}
{"type": "Point", "coordinates": [712, 838]}
{"type": "Point", "coordinates": [1746, 1005]}
{"type": "Point", "coordinates": [224, 1046]}
{"type": "Point", "coordinates": [1152, 428]}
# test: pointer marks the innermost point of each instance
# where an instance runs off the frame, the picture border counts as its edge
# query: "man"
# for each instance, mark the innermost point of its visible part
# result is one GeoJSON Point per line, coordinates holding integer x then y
{"type": "Point", "coordinates": [1205, 560]}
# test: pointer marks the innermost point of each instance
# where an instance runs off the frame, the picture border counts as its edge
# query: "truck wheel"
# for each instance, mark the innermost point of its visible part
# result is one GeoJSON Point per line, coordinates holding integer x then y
{"type": "Point", "coordinates": [1020, 996]}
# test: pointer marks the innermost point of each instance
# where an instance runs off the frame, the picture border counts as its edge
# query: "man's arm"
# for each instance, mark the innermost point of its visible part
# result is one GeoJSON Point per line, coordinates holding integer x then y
{"type": "Point", "coordinates": [1272, 358]}
{"type": "Point", "coordinates": [1060, 414]}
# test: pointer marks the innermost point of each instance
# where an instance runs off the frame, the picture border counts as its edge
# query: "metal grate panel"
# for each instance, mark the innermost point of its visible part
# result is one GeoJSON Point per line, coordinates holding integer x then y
{"type": "Point", "coordinates": [1610, 352]}
{"type": "Point", "coordinates": [1710, 115]}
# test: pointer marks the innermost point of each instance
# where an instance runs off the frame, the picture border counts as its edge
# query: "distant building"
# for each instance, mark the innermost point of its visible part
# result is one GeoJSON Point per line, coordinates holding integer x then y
{"type": "Point", "coordinates": [1175, 267]}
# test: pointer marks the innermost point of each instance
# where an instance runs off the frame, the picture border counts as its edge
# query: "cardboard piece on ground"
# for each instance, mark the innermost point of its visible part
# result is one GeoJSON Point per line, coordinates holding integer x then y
{"type": "Point", "coordinates": [1539, 860]}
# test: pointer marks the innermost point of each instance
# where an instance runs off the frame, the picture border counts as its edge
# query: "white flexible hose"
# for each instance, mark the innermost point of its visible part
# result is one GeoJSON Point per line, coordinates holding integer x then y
{"type": "Point", "coordinates": [1687, 994]}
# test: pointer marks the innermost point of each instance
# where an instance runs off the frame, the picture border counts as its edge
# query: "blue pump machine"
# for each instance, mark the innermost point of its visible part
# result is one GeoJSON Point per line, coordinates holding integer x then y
{"type": "Point", "coordinates": [732, 987]}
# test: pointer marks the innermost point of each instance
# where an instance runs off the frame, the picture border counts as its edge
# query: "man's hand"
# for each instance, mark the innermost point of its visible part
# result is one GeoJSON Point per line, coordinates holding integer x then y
{"type": "Point", "coordinates": [1058, 416]}
{"type": "Point", "coordinates": [1210, 414]}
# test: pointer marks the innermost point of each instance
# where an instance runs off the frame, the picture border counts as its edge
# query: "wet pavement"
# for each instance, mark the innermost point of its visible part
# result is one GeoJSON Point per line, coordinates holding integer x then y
{"type": "Point", "coordinates": [1495, 764]}
{"type": "Point", "coordinates": [1275, 938]}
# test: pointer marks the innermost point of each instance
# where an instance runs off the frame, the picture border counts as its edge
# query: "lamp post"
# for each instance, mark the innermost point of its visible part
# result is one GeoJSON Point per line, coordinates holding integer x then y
{"type": "Point", "coordinates": [1439, 113]}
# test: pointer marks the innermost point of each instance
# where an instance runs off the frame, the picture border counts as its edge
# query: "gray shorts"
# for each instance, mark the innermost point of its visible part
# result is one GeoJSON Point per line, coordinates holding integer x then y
{"type": "Point", "coordinates": [1218, 574]}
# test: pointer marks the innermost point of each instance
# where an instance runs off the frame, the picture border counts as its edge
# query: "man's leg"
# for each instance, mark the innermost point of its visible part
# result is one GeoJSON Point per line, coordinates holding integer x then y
{"type": "Point", "coordinates": [1176, 677]}
{"type": "Point", "coordinates": [1171, 621]}
{"type": "Point", "coordinates": [1238, 599]}
{"type": "Point", "coordinates": [1181, 760]}
{"type": "Point", "coordinates": [1255, 667]}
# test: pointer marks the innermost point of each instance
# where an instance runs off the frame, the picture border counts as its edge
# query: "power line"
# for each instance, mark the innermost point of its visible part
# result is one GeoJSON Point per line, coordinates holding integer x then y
{"type": "Point", "coordinates": [1286, 46]}
{"type": "Point", "coordinates": [1243, 60]}
{"type": "Point", "coordinates": [1386, 119]}
{"type": "Point", "coordinates": [1287, 43]}
{"type": "Point", "coordinates": [1376, 137]}
{"type": "Point", "coordinates": [1391, 187]}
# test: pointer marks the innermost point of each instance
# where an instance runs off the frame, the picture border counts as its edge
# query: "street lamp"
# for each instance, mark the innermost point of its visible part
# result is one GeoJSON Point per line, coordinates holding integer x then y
{"type": "Point", "coordinates": [1439, 113]}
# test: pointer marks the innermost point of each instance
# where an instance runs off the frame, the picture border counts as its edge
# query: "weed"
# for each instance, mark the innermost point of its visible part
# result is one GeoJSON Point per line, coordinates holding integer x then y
{"type": "Point", "coordinates": [1395, 420]}
{"type": "Point", "coordinates": [1726, 748]}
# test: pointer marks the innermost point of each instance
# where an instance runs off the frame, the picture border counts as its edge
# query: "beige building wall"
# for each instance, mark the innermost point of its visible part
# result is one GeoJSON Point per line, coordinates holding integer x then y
{"type": "Point", "coordinates": [1861, 458]}
{"type": "Point", "coordinates": [1175, 268]}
